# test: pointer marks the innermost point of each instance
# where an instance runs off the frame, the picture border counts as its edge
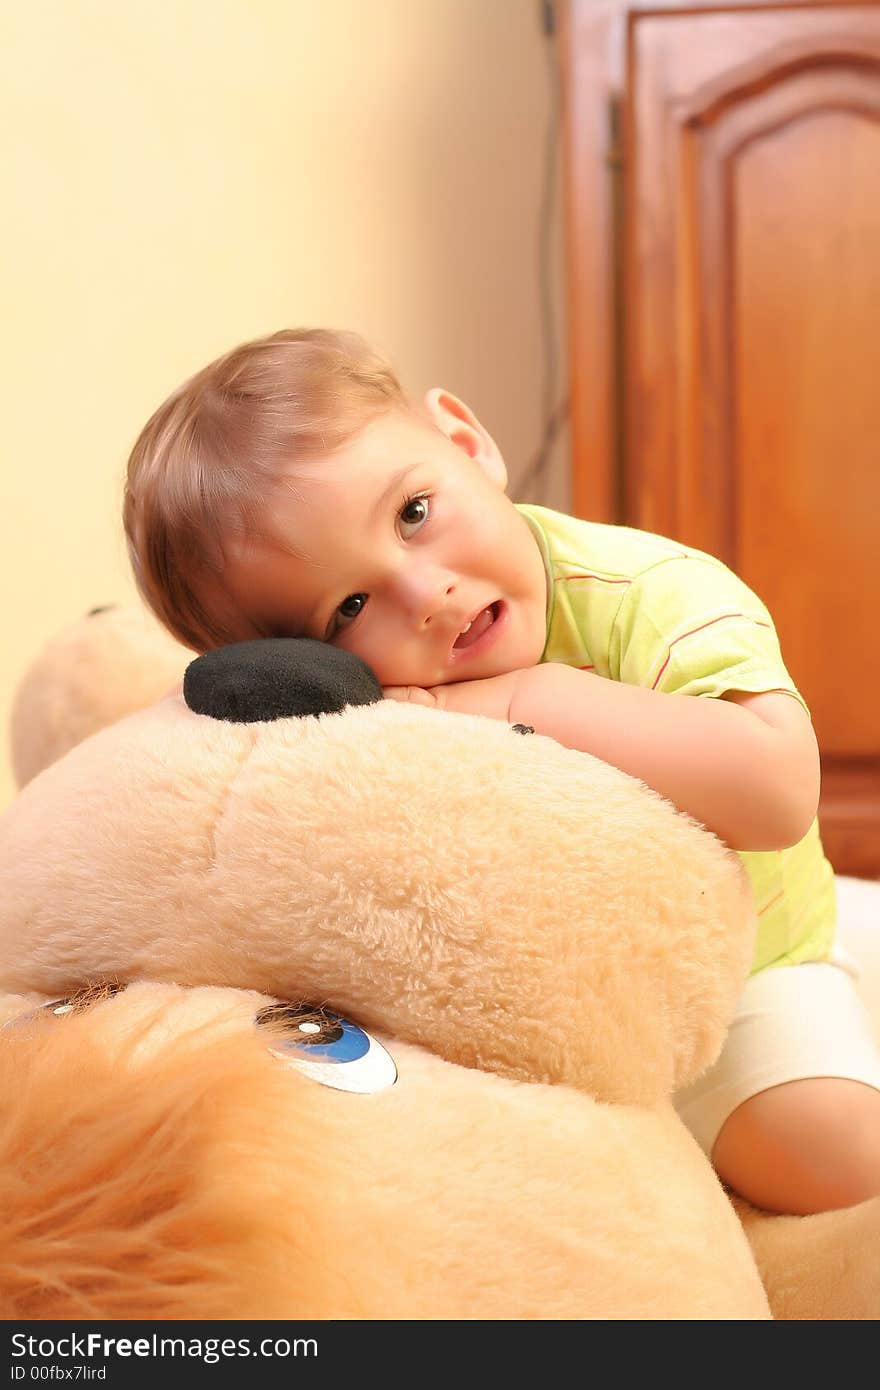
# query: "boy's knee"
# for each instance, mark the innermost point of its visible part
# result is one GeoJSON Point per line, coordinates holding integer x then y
{"type": "Point", "coordinates": [803, 1147]}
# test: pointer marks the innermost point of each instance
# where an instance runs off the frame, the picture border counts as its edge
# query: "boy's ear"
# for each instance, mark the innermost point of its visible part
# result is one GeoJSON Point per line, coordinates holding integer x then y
{"type": "Point", "coordinates": [460, 425]}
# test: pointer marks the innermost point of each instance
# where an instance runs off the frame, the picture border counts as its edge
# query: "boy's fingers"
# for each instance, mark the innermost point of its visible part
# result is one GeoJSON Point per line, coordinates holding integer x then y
{"type": "Point", "coordinates": [409, 694]}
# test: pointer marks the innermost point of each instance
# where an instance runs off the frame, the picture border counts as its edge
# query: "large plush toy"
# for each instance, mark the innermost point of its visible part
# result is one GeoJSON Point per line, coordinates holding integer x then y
{"type": "Point", "coordinates": [498, 959]}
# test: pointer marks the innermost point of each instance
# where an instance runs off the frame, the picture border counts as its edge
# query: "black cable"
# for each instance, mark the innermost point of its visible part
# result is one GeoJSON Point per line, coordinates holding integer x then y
{"type": "Point", "coordinates": [554, 416]}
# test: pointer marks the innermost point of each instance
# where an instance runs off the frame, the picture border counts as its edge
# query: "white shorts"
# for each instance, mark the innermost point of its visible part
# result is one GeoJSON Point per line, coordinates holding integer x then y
{"type": "Point", "coordinates": [792, 1022]}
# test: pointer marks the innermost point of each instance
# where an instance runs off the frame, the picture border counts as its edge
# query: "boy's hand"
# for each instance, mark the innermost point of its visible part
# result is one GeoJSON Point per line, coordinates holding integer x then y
{"type": "Point", "coordinates": [491, 697]}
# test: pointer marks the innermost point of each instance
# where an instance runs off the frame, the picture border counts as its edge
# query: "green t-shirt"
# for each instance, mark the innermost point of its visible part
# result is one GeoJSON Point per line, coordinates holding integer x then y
{"type": "Point", "coordinates": [649, 611]}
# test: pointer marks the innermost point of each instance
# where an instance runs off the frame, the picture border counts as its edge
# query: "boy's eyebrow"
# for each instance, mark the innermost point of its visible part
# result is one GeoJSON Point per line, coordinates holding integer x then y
{"type": "Point", "coordinates": [392, 486]}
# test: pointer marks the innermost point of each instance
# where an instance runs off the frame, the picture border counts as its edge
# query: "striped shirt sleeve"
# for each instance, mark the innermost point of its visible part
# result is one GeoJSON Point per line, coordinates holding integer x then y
{"type": "Point", "coordinates": [688, 625]}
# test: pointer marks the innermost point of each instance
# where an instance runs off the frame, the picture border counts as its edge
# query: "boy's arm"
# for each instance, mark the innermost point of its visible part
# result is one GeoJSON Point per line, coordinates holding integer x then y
{"type": "Point", "coordinates": [746, 766]}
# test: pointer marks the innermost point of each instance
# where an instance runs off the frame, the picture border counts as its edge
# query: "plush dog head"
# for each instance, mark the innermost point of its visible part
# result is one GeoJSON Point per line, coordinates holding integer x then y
{"type": "Point", "coordinates": [469, 893]}
{"type": "Point", "coordinates": [507, 903]}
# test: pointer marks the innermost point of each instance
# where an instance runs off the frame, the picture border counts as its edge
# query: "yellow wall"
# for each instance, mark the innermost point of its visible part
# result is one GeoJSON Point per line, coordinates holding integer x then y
{"type": "Point", "coordinates": [179, 177]}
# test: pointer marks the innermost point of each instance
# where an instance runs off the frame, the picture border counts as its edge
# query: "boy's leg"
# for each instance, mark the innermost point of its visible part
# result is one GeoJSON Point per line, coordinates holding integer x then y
{"type": "Point", "coordinates": [802, 1147]}
{"type": "Point", "coordinates": [790, 1112]}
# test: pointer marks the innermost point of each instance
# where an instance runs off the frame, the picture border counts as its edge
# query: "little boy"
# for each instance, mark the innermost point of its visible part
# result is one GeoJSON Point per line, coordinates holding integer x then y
{"type": "Point", "coordinates": [292, 489]}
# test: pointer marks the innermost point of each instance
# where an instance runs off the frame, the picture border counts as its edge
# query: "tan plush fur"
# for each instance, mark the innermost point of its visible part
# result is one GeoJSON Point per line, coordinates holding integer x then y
{"type": "Point", "coordinates": [819, 1267]}
{"type": "Point", "coordinates": [547, 947]}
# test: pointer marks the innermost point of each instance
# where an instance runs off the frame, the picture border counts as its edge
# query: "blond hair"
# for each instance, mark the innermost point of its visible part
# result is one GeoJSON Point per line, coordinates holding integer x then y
{"type": "Point", "coordinates": [205, 464]}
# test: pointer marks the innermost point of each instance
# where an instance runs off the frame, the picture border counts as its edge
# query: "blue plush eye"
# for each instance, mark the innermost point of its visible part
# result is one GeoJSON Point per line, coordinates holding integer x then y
{"type": "Point", "coordinates": [330, 1049]}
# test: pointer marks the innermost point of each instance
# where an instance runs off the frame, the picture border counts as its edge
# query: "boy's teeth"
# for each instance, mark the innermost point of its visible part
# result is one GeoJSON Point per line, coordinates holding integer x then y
{"type": "Point", "coordinates": [476, 627]}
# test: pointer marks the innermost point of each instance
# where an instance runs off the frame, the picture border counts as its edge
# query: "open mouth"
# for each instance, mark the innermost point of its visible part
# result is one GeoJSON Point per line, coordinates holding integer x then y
{"type": "Point", "coordinates": [476, 628]}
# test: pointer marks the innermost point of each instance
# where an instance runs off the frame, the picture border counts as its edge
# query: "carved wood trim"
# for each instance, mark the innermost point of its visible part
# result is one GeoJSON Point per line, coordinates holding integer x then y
{"type": "Point", "coordinates": [684, 120]}
{"type": "Point", "coordinates": [713, 139]}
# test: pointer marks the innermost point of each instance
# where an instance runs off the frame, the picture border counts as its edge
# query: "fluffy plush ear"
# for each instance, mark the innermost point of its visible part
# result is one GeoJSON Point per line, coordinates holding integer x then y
{"type": "Point", "coordinates": [135, 1179]}
{"type": "Point", "coordinates": [277, 678]}
{"type": "Point", "coordinates": [109, 663]}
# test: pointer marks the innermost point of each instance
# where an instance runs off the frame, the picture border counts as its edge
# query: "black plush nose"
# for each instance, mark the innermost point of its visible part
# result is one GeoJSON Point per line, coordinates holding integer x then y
{"type": "Point", "coordinates": [275, 678]}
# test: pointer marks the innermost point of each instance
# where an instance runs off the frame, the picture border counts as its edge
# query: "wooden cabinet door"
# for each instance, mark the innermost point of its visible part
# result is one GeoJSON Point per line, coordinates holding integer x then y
{"type": "Point", "coordinates": [750, 361]}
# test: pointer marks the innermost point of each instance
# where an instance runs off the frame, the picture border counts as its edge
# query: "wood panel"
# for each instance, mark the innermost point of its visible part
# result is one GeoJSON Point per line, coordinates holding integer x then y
{"type": "Point", "coordinates": [806, 467]}
{"type": "Point", "coordinates": [741, 376]}
{"type": "Point", "coordinates": [752, 242]}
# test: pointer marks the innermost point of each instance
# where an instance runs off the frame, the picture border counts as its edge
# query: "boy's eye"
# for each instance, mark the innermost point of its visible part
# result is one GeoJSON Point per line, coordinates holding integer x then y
{"type": "Point", "coordinates": [348, 610]}
{"type": "Point", "coordinates": [413, 514]}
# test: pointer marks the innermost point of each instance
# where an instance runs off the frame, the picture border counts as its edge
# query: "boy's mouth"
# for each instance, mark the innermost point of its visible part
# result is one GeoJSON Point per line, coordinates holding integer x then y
{"type": "Point", "coordinates": [475, 628]}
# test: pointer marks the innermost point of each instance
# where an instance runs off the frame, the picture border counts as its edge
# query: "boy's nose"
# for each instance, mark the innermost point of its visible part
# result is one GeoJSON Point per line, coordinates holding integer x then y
{"type": "Point", "coordinates": [423, 593]}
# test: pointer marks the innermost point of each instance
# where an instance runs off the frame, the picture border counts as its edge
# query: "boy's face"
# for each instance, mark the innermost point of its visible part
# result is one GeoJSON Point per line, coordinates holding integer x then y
{"type": "Point", "coordinates": [403, 548]}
